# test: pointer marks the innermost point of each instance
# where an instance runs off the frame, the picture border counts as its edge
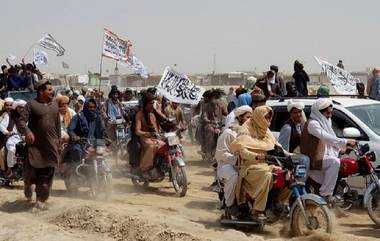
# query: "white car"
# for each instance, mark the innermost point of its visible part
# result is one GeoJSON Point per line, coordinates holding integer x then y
{"type": "Point", "coordinates": [353, 117]}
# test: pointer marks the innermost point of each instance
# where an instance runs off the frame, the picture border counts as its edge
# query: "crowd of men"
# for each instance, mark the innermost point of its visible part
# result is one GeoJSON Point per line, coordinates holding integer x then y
{"type": "Point", "coordinates": [233, 129]}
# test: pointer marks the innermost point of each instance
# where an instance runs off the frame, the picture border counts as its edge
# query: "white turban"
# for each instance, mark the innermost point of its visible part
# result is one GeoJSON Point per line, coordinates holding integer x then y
{"type": "Point", "coordinates": [295, 104]}
{"type": "Point", "coordinates": [81, 97]}
{"type": "Point", "coordinates": [18, 103]}
{"type": "Point", "coordinates": [242, 110]}
{"type": "Point", "coordinates": [8, 100]}
{"type": "Point", "coordinates": [319, 105]}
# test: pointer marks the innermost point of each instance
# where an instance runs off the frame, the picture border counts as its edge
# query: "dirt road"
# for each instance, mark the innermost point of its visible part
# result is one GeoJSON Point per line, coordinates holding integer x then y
{"type": "Point", "coordinates": [153, 214]}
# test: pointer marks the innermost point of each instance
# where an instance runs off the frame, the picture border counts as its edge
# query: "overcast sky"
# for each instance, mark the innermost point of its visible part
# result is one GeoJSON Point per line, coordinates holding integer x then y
{"type": "Point", "coordinates": [244, 35]}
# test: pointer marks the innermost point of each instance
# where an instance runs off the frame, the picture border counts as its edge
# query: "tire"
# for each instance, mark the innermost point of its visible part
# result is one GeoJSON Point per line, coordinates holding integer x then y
{"type": "Point", "coordinates": [298, 222]}
{"type": "Point", "coordinates": [179, 180]}
{"type": "Point", "coordinates": [140, 184]}
{"type": "Point", "coordinates": [373, 206]}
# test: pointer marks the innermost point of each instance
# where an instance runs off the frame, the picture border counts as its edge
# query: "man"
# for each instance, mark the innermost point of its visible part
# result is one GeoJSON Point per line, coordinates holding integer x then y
{"type": "Point", "coordinates": [175, 112]}
{"type": "Point", "coordinates": [6, 110]}
{"type": "Point", "coordinates": [319, 142]}
{"type": "Point", "coordinates": [146, 127]}
{"type": "Point", "coordinates": [212, 118]}
{"type": "Point", "coordinates": [258, 99]}
{"type": "Point", "coordinates": [231, 98]}
{"type": "Point", "coordinates": [65, 115]}
{"type": "Point", "coordinates": [340, 64]}
{"type": "Point", "coordinates": [112, 110]}
{"type": "Point", "coordinates": [41, 125]}
{"type": "Point", "coordinates": [227, 161]}
{"type": "Point", "coordinates": [3, 78]}
{"type": "Point", "coordinates": [279, 80]}
{"type": "Point", "coordinates": [128, 94]}
{"type": "Point", "coordinates": [290, 133]}
{"type": "Point", "coordinates": [291, 90]}
{"type": "Point", "coordinates": [300, 78]}
{"type": "Point", "coordinates": [9, 129]}
{"type": "Point", "coordinates": [268, 85]}
{"type": "Point", "coordinates": [373, 85]}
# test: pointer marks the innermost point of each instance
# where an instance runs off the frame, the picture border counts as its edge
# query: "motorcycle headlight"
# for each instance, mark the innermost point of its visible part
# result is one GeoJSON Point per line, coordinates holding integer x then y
{"type": "Point", "coordinates": [300, 171]}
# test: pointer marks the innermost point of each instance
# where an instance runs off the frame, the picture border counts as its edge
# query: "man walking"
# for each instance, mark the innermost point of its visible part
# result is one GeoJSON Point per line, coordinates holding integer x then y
{"type": "Point", "coordinates": [40, 123]}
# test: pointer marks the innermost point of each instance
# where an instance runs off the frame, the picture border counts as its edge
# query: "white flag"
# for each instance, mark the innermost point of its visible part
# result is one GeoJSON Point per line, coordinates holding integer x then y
{"type": "Point", "coordinates": [138, 67]}
{"type": "Point", "coordinates": [40, 57]}
{"type": "Point", "coordinates": [342, 81]}
{"type": "Point", "coordinates": [114, 47]}
{"type": "Point", "coordinates": [48, 42]}
{"type": "Point", "coordinates": [179, 88]}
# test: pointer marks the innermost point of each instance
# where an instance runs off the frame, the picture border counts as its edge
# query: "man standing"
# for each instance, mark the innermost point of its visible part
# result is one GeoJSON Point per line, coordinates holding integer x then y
{"type": "Point", "coordinates": [300, 78]}
{"type": "Point", "coordinates": [227, 161]}
{"type": "Point", "coordinates": [268, 85]}
{"type": "Point", "coordinates": [373, 86]}
{"type": "Point", "coordinates": [279, 80]}
{"type": "Point", "coordinates": [340, 64]}
{"type": "Point", "coordinates": [41, 125]}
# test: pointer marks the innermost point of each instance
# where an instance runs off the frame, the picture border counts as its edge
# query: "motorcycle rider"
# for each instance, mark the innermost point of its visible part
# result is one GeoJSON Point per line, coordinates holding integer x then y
{"type": "Point", "coordinates": [290, 133]}
{"type": "Point", "coordinates": [86, 124]}
{"type": "Point", "coordinates": [227, 161]}
{"type": "Point", "coordinates": [255, 177]}
{"type": "Point", "coordinates": [111, 111]}
{"type": "Point", "coordinates": [320, 143]}
{"type": "Point", "coordinates": [7, 108]}
{"type": "Point", "coordinates": [65, 115]}
{"type": "Point", "coordinates": [148, 123]}
{"type": "Point", "coordinates": [8, 127]}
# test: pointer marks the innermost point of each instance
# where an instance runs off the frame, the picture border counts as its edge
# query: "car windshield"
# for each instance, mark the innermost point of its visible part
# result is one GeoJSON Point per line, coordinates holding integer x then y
{"type": "Point", "coordinates": [369, 115]}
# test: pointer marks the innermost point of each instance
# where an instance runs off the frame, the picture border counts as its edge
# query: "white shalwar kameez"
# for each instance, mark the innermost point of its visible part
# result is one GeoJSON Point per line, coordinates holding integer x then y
{"type": "Point", "coordinates": [227, 170]}
{"type": "Point", "coordinates": [11, 141]}
{"type": "Point", "coordinates": [328, 176]}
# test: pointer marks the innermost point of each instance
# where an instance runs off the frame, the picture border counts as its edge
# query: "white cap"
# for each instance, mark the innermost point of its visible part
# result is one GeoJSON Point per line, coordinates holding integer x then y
{"type": "Point", "coordinates": [81, 97]}
{"type": "Point", "coordinates": [242, 110]}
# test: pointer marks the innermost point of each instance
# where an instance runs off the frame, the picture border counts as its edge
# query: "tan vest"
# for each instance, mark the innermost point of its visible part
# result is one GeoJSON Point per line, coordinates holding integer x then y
{"type": "Point", "coordinates": [312, 147]}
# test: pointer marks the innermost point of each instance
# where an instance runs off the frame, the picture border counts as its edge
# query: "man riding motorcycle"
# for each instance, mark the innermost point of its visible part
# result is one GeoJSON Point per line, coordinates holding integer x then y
{"type": "Point", "coordinates": [227, 161]}
{"type": "Point", "coordinates": [253, 143]}
{"type": "Point", "coordinates": [148, 124]}
{"type": "Point", "coordinates": [320, 143]}
{"type": "Point", "coordinates": [8, 127]}
{"type": "Point", "coordinates": [86, 124]}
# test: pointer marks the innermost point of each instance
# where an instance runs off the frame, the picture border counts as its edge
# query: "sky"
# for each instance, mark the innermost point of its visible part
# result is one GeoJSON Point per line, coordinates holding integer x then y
{"type": "Point", "coordinates": [243, 34]}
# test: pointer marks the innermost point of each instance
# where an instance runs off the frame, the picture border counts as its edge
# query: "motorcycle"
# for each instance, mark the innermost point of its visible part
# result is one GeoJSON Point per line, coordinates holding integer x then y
{"type": "Point", "coordinates": [121, 139]}
{"type": "Point", "coordinates": [306, 212]}
{"type": "Point", "coordinates": [168, 162]}
{"type": "Point", "coordinates": [17, 170]}
{"type": "Point", "coordinates": [361, 165]}
{"type": "Point", "coordinates": [93, 171]}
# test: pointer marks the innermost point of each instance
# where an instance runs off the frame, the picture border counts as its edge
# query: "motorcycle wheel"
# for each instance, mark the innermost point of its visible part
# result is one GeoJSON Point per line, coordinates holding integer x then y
{"type": "Point", "coordinates": [373, 206]}
{"type": "Point", "coordinates": [342, 189]}
{"type": "Point", "coordinates": [140, 183]}
{"type": "Point", "coordinates": [179, 180]}
{"type": "Point", "coordinates": [318, 215]}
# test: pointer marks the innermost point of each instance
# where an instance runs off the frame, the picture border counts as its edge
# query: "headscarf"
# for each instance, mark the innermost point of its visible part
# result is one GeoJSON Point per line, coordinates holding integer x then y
{"type": "Point", "coordinates": [64, 111]}
{"type": "Point", "coordinates": [316, 115]}
{"type": "Point", "coordinates": [255, 134]}
{"type": "Point", "coordinates": [90, 115]}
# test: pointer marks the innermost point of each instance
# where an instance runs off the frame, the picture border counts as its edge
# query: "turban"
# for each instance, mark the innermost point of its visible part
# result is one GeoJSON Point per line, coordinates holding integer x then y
{"type": "Point", "coordinates": [295, 104]}
{"type": "Point", "coordinates": [81, 98]}
{"type": "Point", "coordinates": [322, 103]}
{"type": "Point", "coordinates": [18, 103]}
{"type": "Point", "coordinates": [8, 100]}
{"type": "Point", "coordinates": [63, 98]}
{"type": "Point", "coordinates": [242, 110]}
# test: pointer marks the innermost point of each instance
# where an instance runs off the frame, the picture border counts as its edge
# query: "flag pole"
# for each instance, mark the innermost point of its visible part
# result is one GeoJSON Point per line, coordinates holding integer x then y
{"type": "Point", "coordinates": [27, 52]}
{"type": "Point", "coordinates": [100, 71]}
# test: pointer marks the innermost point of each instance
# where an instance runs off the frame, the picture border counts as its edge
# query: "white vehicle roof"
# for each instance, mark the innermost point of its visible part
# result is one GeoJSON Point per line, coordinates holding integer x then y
{"type": "Point", "coordinates": [340, 100]}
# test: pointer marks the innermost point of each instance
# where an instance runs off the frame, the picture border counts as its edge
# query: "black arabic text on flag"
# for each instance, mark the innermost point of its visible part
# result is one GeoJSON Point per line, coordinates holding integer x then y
{"type": "Point", "coordinates": [48, 42]}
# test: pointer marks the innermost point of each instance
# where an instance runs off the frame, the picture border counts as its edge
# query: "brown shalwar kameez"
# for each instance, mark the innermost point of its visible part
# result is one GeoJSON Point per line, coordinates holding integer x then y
{"type": "Point", "coordinates": [42, 119]}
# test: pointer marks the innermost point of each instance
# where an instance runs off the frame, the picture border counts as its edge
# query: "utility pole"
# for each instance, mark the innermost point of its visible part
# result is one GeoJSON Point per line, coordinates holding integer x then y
{"type": "Point", "coordinates": [214, 63]}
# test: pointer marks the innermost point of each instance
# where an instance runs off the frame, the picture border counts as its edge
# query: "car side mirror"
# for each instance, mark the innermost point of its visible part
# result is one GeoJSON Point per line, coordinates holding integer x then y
{"type": "Point", "coordinates": [351, 132]}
